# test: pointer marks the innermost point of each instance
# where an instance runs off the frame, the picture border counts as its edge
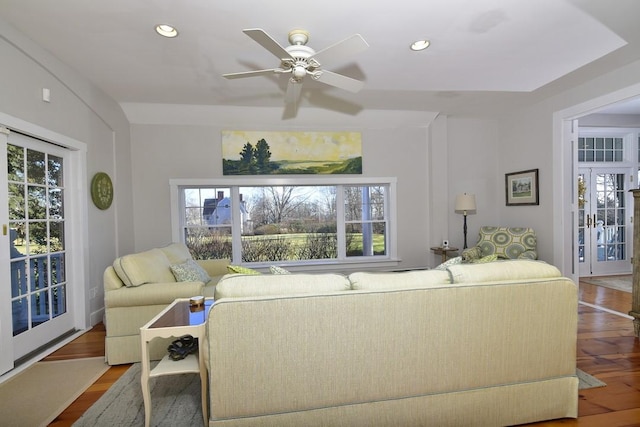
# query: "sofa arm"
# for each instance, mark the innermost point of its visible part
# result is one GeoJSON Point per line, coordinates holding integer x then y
{"type": "Point", "coordinates": [111, 280]}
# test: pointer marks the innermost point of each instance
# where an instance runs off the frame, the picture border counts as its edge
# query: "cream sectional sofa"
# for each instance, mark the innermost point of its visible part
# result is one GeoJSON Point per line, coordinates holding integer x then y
{"type": "Point", "coordinates": [139, 286]}
{"type": "Point", "coordinates": [475, 345]}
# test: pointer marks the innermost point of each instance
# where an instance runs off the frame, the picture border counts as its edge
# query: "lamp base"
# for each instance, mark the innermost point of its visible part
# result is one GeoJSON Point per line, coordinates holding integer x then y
{"type": "Point", "coordinates": [464, 229]}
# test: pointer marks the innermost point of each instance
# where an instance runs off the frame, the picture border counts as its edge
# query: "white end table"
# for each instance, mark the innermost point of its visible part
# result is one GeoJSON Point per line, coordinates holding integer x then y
{"type": "Point", "coordinates": [178, 319]}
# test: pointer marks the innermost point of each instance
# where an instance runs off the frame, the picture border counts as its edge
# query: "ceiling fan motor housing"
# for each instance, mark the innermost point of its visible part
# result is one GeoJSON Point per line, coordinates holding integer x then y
{"type": "Point", "coordinates": [298, 37]}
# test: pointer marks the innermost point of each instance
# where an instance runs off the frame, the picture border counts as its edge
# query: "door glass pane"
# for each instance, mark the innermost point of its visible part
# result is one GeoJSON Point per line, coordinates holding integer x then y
{"type": "Point", "coordinates": [35, 167]}
{"type": "Point", "coordinates": [611, 222]}
{"type": "Point", "coordinates": [20, 314]}
{"type": "Point", "coordinates": [582, 201]}
{"type": "Point", "coordinates": [15, 163]}
{"type": "Point", "coordinates": [54, 171]}
{"type": "Point", "coordinates": [16, 201]}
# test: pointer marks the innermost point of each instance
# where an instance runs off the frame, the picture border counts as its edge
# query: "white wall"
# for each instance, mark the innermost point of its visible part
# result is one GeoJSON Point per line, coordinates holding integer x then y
{"type": "Point", "coordinates": [81, 112]}
{"type": "Point", "coordinates": [171, 145]}
{"type": "Point", "coordinates": [472, 169]}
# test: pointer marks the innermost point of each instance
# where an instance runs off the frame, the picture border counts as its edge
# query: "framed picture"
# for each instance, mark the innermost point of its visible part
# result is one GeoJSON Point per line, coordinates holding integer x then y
{"type": "Point", "coordinates": [291, 152]}
{"type": "Point", "coordinates": [522, 188]}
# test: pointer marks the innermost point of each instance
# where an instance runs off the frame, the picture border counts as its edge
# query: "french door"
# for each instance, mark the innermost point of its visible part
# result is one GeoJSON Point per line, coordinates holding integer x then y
{"type": "Point", "coordinates": [604, 221]}
{"type": "Point", "coordinates": [34, 254]}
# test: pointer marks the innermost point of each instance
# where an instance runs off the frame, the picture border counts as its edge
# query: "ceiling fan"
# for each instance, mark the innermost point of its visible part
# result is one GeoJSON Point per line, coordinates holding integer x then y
{"type": "Point", "coordinates": [300, 61]}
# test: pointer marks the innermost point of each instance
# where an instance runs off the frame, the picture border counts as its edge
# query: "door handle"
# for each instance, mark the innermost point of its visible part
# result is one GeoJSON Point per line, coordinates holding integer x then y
{"type": "Point", "coordinates": [588, 221]}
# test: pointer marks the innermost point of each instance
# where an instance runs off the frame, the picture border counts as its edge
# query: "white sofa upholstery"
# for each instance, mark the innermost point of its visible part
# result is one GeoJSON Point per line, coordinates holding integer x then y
{"type": "Point", "coordinates": [397, 349]}
{"type": "Point", "coordinates": [139, 286]}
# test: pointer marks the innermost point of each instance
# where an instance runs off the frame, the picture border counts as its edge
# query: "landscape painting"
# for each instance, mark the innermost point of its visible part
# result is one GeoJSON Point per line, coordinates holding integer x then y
{"type": "Point", "coordinates": [270, 153]}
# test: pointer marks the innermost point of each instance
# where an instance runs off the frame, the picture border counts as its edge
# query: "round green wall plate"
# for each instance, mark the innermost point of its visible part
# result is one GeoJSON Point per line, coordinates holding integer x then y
{"type": "Point", "coordinates": [102, 190]}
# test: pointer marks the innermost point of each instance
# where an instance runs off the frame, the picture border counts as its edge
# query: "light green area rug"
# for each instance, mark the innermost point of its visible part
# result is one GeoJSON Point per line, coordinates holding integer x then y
{"type": "Point", "coordinates": [175, 401]}
{"type": "Point", "coordinates": [37, 395]}
{"type": "Point", "coordinates": [619, 283]}
{"type": "Point", "coordinates": [587, 381]}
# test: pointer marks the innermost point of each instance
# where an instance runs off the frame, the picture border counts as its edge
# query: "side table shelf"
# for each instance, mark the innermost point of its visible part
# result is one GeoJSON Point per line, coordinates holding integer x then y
{"type": "Point", "coordinates": [166, 366]}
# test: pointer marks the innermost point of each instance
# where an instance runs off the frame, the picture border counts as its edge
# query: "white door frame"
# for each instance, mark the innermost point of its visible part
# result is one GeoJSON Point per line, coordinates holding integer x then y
{"type": "Point", "coordinates": [76, 219]}
{"type": "Point", "coordinates": [565, 202]}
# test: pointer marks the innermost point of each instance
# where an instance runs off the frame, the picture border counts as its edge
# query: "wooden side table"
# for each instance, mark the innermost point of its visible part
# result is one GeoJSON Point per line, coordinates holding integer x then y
{"type": "Point", "coordinates": [439, 250]}
{"type": "Point", "coordinates": [178, 319]}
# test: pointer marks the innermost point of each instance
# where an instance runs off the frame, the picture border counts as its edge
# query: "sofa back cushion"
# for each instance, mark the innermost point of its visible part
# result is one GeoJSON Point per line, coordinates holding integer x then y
{"type": "Point", "coordinates": [501, 271]}
{"type": "Point", "coordinates": [151, 266]}
{"type": "Point", "coordinates": [251, 285]}
{"type": "Point", "coordinates": [177, 253]}
{"type": "Point", "coordinates": [399, 280]}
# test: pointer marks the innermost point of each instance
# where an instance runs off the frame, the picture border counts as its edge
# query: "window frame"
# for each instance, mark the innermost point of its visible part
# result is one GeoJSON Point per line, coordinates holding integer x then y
{"type": "Point", "coordinates": [379, 261]}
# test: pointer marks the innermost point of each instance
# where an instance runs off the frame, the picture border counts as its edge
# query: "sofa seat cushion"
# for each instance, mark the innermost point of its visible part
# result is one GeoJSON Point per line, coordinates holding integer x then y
{"type": "Point", "coordinates": [152, 294]}
{"type": "Point", "coordinates": [252, 285]}
{"type": "Point", "coordinates": [502, 270]}
{"type": "Point", "coordinates": [398, 280]}
{"type": "Point", "coordinates": [151, 266]}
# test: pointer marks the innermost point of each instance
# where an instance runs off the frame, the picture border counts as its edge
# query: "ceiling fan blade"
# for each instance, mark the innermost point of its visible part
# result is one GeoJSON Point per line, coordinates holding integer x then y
{"type": "Point", "coordinates": [343, 49]}
{"type": "Point", "coordinates": [340, 81]}
{"type": "Point", "coordinates": [294, 90]}
{"type": "Point", "coordinates": [243, 74]}
{"type": "Point", "coordinates": [266, 41]}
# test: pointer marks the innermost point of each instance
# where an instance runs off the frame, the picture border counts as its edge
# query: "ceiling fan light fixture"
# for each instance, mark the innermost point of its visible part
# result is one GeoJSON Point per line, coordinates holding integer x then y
{"type": "Point", "coordinates": [166, 30]}
{"type": "Point", "coordinates": [420, 45]}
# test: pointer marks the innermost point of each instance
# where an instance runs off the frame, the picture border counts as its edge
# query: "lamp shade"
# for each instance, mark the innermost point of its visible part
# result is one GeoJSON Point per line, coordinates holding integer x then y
{"type": "Point", "coordinates": [465, 202]}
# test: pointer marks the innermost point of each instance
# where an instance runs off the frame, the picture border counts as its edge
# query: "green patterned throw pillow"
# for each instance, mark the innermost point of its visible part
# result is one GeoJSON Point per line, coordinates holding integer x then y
{"type": "Point", "coordinates": [447, 263]}
{"type": "Point", "coordinates": [241, 270]}
{"type": "Point", "coordinates": [190, 271]}
{"type": "Point", "coordinates": [484, 259]}
{"type": "Point", "coordinates": [274, 269]}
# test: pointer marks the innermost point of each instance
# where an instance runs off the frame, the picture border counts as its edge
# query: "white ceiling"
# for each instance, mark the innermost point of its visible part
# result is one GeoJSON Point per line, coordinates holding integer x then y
{"type": "Point", "coordinates": [484, 53]}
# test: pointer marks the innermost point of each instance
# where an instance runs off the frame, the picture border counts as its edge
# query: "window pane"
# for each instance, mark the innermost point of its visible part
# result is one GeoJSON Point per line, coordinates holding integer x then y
{"type": "Point", "coordinates": [608, 149]}
{"type": "Point", "coordinates": [365, 239]}
{"type": "Point", "coordinates": [209, 243]}
{"type": "Point", "coordinates": [364, 203]}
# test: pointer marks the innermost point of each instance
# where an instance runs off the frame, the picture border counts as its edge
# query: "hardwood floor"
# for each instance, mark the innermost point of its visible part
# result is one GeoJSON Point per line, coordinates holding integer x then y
{"type": "Point", "coordinates": [607, 349]}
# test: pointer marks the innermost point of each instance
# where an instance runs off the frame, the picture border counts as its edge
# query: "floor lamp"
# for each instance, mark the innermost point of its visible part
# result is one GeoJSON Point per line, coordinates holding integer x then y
{"type": "Point", "coordinates": [465, 203]}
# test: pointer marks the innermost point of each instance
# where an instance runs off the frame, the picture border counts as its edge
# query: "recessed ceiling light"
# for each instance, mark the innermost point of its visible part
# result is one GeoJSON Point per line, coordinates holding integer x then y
{"type": "Point", "coordinates": [420, 45]}
{"type": "Point", "coordinates": [166, 30]}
